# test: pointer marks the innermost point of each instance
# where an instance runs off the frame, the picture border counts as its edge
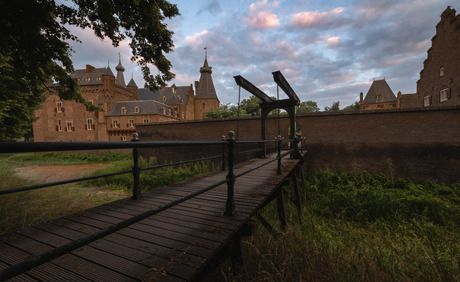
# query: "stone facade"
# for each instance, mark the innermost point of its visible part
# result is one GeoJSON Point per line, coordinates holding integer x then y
{"type": "Point", "coordinates": [439, 83]}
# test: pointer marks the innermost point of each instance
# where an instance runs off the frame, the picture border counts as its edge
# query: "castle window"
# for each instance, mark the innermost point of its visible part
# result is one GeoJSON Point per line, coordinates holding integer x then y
{"type": "Point", "coordinates": [173, 90]}
{"type": "Point", "coordinates": [69, 126]}
{"type": "Point", "coordinates": [98, 78]}
{"type": "Point", "coordinates": [97, 90]}
{"type": "Point", "coordinates": [123, 138]}
{"type": "Point", "coordinates": [427, 101]}
{"type": "Point", "coordinates": [114, 123]}
{"type": "Point", "coordinates": [136, 109]}
{"type": "Point", "coordinates": [88, 79]}
{"type": "Point", "coordinates": [124, 110]}
{"type": "Point", "coordinates": [204, 105]}
{"type": "Point", "coordinates": [59, 126]}
{"type": "Point", "coordinates": [444, 95]}
{"type": "Point", "coordinates": [164, 98]}
{"type": "Point", "coordinates": [89, 124]}
{"type": "Point", "coordinates": [441, 72]}
{"type": "Point", "coordinates": [59, 108]}
{"type": "Point", "coordinates": [146, 120]}
{"type": "Point", "coordinates": [131, 123]}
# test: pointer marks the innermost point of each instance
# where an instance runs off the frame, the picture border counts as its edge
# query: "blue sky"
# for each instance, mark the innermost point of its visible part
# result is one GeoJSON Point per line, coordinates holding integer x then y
{"type": "Point", "coordinates": [327, 50]}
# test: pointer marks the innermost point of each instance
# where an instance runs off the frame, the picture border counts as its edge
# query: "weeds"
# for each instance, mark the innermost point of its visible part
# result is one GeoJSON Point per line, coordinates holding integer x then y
{"type": "Point", "coordinates": [361, 227]}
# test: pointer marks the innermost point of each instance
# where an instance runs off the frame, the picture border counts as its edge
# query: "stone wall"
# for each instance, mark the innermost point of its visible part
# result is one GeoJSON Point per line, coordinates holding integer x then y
{"type": "Point", "coordinates": [413, 143]}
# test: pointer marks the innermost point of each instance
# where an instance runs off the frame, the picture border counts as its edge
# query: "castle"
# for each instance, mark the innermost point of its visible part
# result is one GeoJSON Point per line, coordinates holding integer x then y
{"type": "Point", "coordinates": [439, 83]}
{"type": "Point", "coordinates": [124, 106]}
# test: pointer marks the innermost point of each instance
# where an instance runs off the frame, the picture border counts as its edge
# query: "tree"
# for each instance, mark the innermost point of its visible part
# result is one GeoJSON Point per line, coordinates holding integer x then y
{"type": "Point", "coordinates": [251, 105]}
{"type": "Point", "coordinates": [307, 106]}
{"type": "Point", "coordinates": [224, 111]}
{"type": "Point", "coordinates": [34, 49]}
{"type": "Point", "coordinates": [353, 107]}
{"type": "Point", "coordinates": [334, 107]}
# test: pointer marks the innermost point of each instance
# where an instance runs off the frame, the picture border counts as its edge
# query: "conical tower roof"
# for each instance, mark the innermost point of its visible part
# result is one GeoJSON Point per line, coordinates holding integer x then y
{"type": "Point", "coordinates": [206, 85]}
{"type": "Point", "coordinates": [132, 83]}
{"type": "Point", "coordinates": [108, 71]}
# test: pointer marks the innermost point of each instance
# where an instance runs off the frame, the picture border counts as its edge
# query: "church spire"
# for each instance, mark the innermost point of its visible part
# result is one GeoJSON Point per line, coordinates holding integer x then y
{"type": "Point", "coordinates": [120, 69]}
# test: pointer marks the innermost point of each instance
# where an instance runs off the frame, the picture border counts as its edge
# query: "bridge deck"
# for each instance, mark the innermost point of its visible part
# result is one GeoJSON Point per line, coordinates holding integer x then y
{"type": "Point", "coordinates": [173, 245]}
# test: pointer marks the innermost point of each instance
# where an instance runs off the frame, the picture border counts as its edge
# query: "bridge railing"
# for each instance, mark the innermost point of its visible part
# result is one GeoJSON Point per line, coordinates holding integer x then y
{"type": "Point", "coordinates": [135, 145]}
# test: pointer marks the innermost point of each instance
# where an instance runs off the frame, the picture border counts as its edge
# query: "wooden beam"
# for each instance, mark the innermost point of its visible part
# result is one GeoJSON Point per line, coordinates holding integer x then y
{"type": "Point", "coordinates": [282, 82]}
{"type": "Point", "coordinates": [251, 88]}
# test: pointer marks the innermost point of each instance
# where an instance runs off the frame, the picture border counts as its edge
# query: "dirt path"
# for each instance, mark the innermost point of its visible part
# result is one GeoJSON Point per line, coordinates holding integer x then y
{"type": "Point", "coordinates": [52, 173]}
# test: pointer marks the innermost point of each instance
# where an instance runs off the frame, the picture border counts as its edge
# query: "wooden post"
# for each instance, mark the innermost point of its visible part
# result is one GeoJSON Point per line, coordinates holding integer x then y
{"type": "Point", "coordinates": [281, 210]}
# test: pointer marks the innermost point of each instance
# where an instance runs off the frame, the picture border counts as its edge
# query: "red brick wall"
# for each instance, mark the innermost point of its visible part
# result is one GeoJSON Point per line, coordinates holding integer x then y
{"type": "Point", "coordinates": [419, 143]}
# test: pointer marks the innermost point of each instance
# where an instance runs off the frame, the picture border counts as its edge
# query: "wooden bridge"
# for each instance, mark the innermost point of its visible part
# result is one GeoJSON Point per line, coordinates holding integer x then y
{"type": "Point", "coordinates": [168, 234]}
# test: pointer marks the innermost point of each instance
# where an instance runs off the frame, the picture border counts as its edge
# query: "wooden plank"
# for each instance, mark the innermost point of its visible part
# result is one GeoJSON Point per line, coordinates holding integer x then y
{"type": "Point", "coordinates": [173, 245]}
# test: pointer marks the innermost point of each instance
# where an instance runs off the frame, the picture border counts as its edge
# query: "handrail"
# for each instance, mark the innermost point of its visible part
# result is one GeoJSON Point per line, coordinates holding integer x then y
{"type": "Point", "coordinates": [67, 146]}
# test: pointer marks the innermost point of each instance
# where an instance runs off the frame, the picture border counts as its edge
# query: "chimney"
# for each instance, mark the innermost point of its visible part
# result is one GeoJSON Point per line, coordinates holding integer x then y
{"type": "Point", "coordinates": [89, 68]}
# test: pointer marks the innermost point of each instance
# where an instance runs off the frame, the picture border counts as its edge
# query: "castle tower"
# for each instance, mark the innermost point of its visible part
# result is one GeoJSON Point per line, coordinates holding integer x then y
{"type": "Point", "coordinates": [206, 97]}
{"type": "Point", "coordinates": [120, 69]}
{"type": "Point", "coordinates": [132, 86]}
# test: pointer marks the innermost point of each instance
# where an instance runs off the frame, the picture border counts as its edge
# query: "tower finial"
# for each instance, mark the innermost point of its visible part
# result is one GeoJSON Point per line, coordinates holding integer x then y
{"type": "Point", "coordinates": [206, 52]}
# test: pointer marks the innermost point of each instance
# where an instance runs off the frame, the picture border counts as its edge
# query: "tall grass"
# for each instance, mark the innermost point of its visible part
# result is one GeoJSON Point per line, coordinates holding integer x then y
{"type": "Point", "coordinates": [360, 227]}
{"type": "Point", "coordinates": [23, 209]}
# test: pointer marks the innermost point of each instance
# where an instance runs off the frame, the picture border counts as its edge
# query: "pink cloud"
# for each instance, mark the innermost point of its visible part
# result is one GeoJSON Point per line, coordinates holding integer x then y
{"type": "Point", "coordinates": [315, 18]}
{"type": "Point", "coordinates": [333, 41]}
{"type": "Point", "coordinates": [196, 39]}
{"type": "Point", "coordinates": [261, 17]}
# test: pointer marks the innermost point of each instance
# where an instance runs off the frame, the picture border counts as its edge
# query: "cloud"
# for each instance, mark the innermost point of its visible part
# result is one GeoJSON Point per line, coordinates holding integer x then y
{"type": "Point", "coordinates": [333, 41]}
{"type": "Point", "coordinates": [213, 7]}
{"type": "Point", "coordinates": [196, 39]}
{"type": "Point", "coordinates": [261, 17]}
{"type": "Point", "coordinates": [316, 19]}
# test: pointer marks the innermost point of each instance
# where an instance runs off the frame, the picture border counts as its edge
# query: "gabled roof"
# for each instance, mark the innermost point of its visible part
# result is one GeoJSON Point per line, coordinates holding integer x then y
{"type": "Point", "coordinates": [145, 107]}
{"type": "Point", "coordinates": [173, 95]}
{"type": "Point", "coordinates": [380, 92]}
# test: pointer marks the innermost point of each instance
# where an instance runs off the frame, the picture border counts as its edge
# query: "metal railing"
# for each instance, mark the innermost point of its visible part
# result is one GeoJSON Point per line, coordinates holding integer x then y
{"type": "Point", "coordinates": [228, 144]}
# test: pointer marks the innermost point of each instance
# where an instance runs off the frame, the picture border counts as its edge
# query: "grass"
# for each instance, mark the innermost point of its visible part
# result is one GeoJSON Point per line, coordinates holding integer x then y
{"type": "Point", "coordinates": [359, 227]}
{"type": "Point", "coordinates": [23, 209]}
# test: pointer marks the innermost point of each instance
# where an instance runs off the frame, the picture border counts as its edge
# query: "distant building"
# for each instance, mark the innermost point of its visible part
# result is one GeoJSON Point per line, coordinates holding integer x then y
{"type": "Point", "coordinates": [439, 83]}
{"type": "Point", "coordinates": [380, 96]}
{"type": "Point", "coordinates": [124, 106]}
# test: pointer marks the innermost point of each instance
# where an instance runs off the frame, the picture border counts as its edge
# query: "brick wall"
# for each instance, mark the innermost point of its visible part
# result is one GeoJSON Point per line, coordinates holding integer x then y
{"type": "Point", "coordinates": [415, 143]}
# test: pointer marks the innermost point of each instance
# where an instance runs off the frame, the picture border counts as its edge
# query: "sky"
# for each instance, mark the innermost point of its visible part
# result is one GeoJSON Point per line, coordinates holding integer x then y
{"type": "Point", "coordinates": [328, 50]}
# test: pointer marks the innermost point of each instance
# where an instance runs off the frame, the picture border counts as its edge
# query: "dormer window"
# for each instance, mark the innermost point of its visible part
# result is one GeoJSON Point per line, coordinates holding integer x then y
{"type": "Point", "coordinates": [441, 72]}
{"type": "Point", "coordinates": [88, 79]}
{"type": "Point", "coordinates": [173, 90]}
{"type": "Point", "coordinates": [137, 109]}
{"type": "Point", "coordinates": [164, 98]}
{"type": "Point", "coordinates": [124, 110]}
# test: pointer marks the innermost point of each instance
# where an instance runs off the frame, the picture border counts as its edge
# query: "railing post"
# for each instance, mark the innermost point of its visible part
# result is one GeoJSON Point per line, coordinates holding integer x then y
{"type": "Point", "coordinates": [279, 155]}
{"type": "Point", "coordinates": [230, 205]}
{"type": "Point", "coordinates": [136, 170]}
{"type": "Point", "coordinates": [223, 153]}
